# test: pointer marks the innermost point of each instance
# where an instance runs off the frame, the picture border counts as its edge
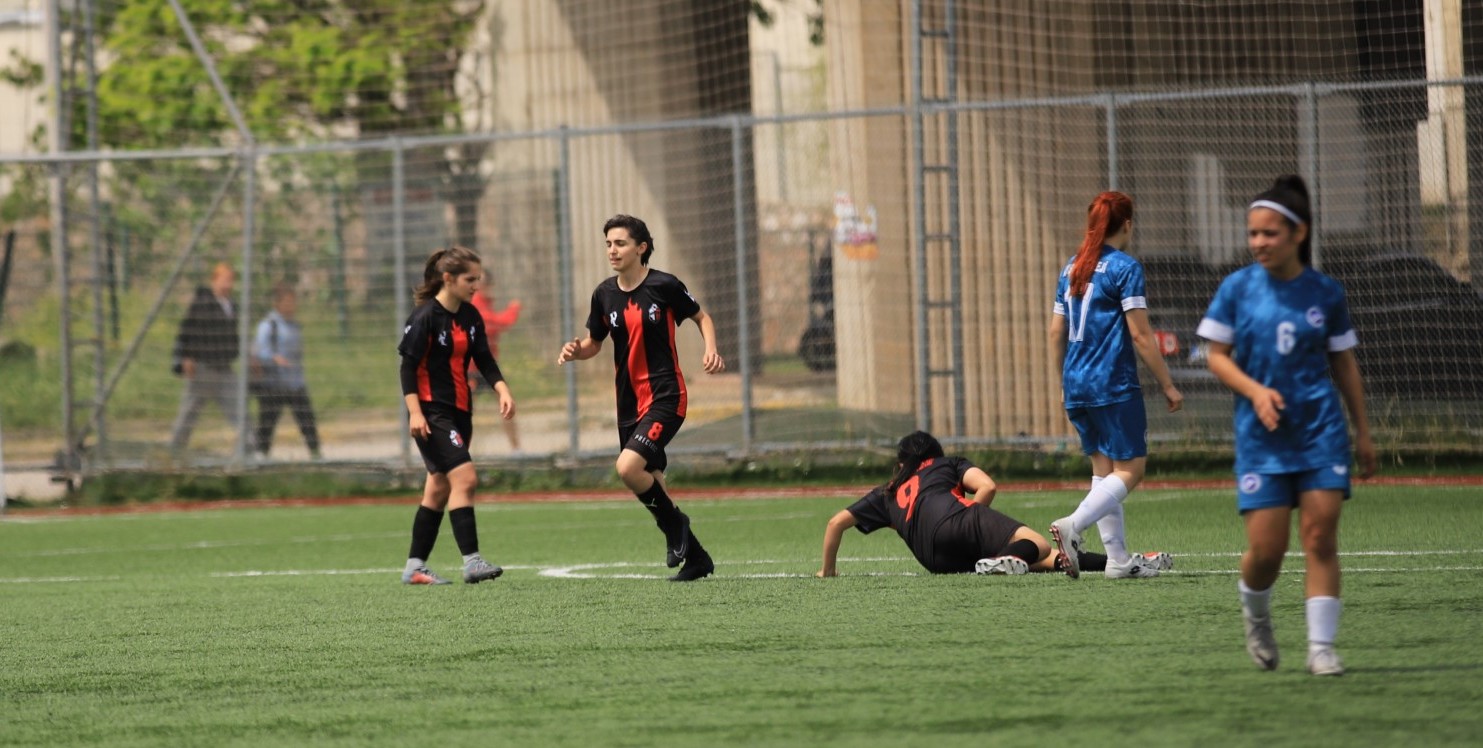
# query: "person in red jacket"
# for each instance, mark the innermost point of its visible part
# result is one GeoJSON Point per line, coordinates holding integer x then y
{"type": "Point", "coordinates": [494, 324]}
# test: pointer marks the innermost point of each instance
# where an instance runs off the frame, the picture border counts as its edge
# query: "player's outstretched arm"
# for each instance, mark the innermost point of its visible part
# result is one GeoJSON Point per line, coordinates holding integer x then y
{"type": "Point", "coordinates": [833, 533]}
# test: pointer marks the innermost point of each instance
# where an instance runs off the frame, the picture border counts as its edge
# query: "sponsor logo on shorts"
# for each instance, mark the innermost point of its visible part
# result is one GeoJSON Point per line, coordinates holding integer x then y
{"type": "Point", "coordinates": [645, 441]}
{"type": "Point", "coordinates": [1341, 470]}
{"type": "Point", "coordinates": [1315, 316]}
{"type": "Point", "coordinates": [1250, 483]}
{"type": "Point", "coordinates": [455, 438]}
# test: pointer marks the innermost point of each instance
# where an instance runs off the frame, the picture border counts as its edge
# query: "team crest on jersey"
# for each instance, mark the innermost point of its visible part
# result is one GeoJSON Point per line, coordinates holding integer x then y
{"type": "Point", "coordinates": [613, 320]}
{"type": "Point", "coordinates": [1251, 483]}
{"type": "Point", "coordinates": [1315, 316]}
{"type": "Point", "coordinates": [455, 438]}
{"type": "Point", "coordinates": [653, 312]}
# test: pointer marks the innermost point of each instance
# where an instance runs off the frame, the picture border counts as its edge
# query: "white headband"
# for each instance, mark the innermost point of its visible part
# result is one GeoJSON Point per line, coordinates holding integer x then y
{"type": "Point", "coordinates": [1279, 207]}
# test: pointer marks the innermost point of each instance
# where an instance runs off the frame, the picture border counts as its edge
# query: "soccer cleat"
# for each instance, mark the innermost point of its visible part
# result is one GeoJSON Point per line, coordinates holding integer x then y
{"type": "Point", "coordinates": [1325, 661]}
{"type": "Point", "coordinates": [676, 540]}
{"type": "Point", "coordinates": [1001, 566]}
{"type": "Point", "coordinates": [422, 575]}
{"type": "Point", "coordinates": [1159, 560]}
{"type": "Point", "coordinates": [1261, 643]}
{"type": "Point", "coordinates": [1137, 567]}
{"type": "Point", "coordinates": [696, 566]}
{"type": "Point", "coordinates": [479, 570]}
{"type": "Point", "coordinates": [1068, 542]}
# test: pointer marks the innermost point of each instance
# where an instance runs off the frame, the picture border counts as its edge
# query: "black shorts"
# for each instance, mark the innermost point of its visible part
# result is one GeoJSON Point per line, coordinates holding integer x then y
{"type": "Point", "coordinates": [650, 435]}
{"type": "Point", "coordinates": [966, 537]}
{"type": "Point", "coordinates": [447, 444]}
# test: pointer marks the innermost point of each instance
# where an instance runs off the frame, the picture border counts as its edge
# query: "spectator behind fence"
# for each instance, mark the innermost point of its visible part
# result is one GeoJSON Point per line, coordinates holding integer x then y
{"type": "Point", "coordinates": [278, 373]}
{"type": "Point", "coordinates": [496, 323]}
{"type": "Point", "coordinates": [204, 351]}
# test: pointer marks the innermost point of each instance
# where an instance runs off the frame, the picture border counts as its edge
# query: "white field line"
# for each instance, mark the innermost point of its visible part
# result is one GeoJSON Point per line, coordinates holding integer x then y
{"type": "Point", "coordinates": [606, 570]}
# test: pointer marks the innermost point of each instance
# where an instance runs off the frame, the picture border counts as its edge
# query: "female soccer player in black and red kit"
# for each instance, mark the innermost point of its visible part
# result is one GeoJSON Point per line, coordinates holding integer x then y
{"type": "Point", "coordinates": [640, 307]}
{"type": "Point", "coordinates": [442, 334]}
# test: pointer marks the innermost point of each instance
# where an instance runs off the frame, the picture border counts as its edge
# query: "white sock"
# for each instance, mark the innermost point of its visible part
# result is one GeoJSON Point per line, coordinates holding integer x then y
{"type": "Point", "coordinates": [413, 564]}
{"type": "Point", "coordinates": [1255, 603]}
{"type": "Point", "coordinates": [1323, 621]}
{"type": "Point", "coordinates": [1099, 502]}
{"type": "Point", "coordinates": [1114, 539]}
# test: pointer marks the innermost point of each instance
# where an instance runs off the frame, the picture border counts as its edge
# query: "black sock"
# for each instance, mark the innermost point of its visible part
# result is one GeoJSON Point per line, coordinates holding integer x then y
{"type": "Point", "coordinates": [465, 532]}
{"type": "Point", "coordinates": [1089, 561]}
{"type": "Point", "coordinates": [658, 502]}
{"type": "Point", "coordinates": [1025, 550]}
{"type": "Point", "coordinates": [695, 550]}
{"type": "Point", "coordinates": [424, 532]}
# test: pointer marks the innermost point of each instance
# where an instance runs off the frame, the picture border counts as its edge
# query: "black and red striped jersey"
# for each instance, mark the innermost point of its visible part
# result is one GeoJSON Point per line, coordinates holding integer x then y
{"type": "Point", "coordinates": [642, 324]}
{"type": "Point", "coordinates": [919, 506]}
{"type": "Point", "coordinates": [436, 348]}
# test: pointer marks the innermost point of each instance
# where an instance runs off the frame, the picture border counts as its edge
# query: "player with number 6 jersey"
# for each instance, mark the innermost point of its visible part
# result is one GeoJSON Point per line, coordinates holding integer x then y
{"type": "Point", "coordinates": [1281, 340]}
{"type": "Point", "coordinates": [640, 309]}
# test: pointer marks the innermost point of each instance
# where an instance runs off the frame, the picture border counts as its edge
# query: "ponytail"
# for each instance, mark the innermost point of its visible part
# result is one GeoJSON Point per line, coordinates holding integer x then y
{"type": "Point", "coordinates": [454, 259]}
{"type": "Point", "coordinates": [913, 450]}
{"type": "Point", "coordinates": [1106, 215]}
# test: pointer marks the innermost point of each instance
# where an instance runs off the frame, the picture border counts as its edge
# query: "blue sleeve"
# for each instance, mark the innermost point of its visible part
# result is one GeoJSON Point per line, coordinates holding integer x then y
{"type": "Point", "coordinates": [1219, 323]}
{"type": "Point", "coordinates": [1130, 286]}
{"type": "Point", "coordinates": [1058, 307]}
{"type": "Point", "coordinates": [262, 343]}
{"type": "Point", "coordinates": [1340, 328]}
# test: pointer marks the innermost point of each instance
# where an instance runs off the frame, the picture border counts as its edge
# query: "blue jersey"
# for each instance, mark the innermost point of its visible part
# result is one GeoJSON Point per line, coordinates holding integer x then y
{"type": "Point", "coordinates": [1100, 368]}
{"type": "Point", "coordinates": [1282, 333]}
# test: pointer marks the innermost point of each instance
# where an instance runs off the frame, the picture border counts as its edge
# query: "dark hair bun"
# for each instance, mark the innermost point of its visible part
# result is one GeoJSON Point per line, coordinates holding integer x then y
{"type": "Point", "coordinates": [1292, 183]}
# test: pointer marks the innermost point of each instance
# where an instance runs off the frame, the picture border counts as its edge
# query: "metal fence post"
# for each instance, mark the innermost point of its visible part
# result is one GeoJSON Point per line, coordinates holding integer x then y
{"type": "Point", "coordinates": [399, 265]}
{"type": "Point", "coordinates": [1308, 160]}
{"type": "Point", "coordinates": [744, 324]}
{"type": "Point", "coordinates": [244, 306]}
{"type": "Point", "coordinates": [1111, 141]}
{"type": "Point", "coordinates": [565, 276]}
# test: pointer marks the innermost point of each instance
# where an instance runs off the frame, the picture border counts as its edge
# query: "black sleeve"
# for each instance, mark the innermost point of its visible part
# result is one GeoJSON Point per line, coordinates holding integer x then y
{"type": "Point", "coordinates": [482, 357]}
{"type": "Point", "coordinates": [413, 348]}
{"type": "Point", "coordinates": [596, 327]}
{"type": "Point", "coordinates": [679, 299]}
{"type": "Point", "coordinates": [190, 341]}
{"type": "Point", "coordinates": [870, 511]}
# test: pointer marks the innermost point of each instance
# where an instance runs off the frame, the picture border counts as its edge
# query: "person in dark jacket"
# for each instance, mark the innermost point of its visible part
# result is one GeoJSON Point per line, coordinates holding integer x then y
{"type": "Point", "coordinates": [204, 351]}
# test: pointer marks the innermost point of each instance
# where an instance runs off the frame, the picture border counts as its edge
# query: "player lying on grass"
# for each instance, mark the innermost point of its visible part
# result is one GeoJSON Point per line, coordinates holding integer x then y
{"type": "Point", "coordinates": [927, 503]}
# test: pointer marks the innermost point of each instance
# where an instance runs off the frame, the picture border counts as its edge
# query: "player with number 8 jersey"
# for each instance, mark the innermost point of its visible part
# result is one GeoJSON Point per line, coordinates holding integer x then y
{"type": "Point", "coordinates": [640, 308]}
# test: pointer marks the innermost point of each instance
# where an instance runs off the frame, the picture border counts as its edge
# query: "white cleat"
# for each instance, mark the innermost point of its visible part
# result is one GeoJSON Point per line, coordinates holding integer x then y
{"type": "Point", "coordinates": [1325, 662]}
{"type": "Point", "coordinates": [1001, 566]}
{"type": "Point", "coordinates": [1068, 542]}
{"type": "Point", "coordinates": [1159, 560]}
{"type": "Point", "coordinates": [1137, 567]}
{"type": "Point", "coordinates": [1261, 643]}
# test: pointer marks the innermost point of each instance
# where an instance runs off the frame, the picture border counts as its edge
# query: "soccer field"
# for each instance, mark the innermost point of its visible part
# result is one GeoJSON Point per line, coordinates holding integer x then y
{"type": "Point", "coordinates": [287, 626]}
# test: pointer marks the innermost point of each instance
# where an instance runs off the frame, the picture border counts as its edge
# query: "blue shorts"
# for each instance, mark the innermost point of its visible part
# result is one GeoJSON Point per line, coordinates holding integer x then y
{"type": "Point", "coordinates": [1267, 491]}
{"type": "Point", "coordinates": [1119, 430]}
